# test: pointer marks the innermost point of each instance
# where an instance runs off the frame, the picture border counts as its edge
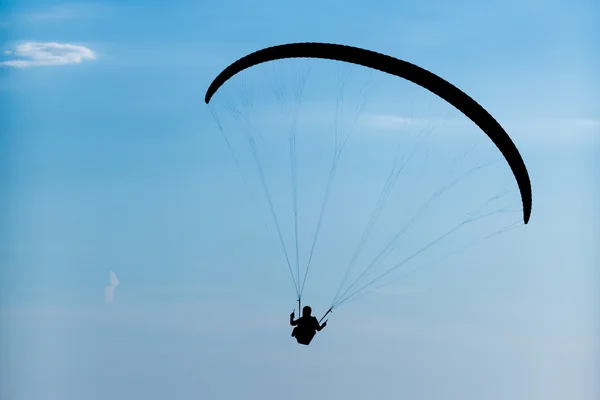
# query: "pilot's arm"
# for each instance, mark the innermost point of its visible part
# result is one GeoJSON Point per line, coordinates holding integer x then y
{"type": "Point", "coordinates": [319, 327]}
{"type": "Point", "coordinates": [292, 322]}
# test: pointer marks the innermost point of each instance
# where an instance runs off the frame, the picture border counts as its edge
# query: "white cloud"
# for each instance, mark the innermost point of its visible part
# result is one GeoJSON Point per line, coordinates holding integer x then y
{"type": "Point", "coordinates": [34, 54]}
{"type": "Point", "coordinates": [109, 290]}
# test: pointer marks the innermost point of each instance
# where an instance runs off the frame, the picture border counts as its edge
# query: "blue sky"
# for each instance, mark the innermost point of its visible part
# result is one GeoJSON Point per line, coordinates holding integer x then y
{"type": "Point", "coordinates": [111, 161]}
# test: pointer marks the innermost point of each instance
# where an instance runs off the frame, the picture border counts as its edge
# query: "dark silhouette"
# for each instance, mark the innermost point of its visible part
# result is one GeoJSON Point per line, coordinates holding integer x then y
{"type": "Point", "coordinates": [401, 69]}
{"type": "Point", "coordinates": [306, 326]}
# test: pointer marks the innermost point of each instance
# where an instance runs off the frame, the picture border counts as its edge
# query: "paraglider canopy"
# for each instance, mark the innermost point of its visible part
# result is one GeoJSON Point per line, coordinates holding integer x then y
{"type": "Point", "coordinates": [243, 111]}
{"type": "Point", "coordinates": [402, 69]}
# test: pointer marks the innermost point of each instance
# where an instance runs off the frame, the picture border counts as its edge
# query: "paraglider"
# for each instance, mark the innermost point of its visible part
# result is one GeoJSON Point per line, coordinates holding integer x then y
{"type": "Point", "coordinates": [307, 325]}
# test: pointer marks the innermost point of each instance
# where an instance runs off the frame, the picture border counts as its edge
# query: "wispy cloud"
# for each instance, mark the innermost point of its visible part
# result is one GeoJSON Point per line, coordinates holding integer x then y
{"type": "Point", "coordinates": [543, 130]}
{"type": "Point", "coordinates": [393, 122]}
{"type": "Point", "coordinates": [109, 290]}
{"type": "Point", "coordinates": [28, 15]}
{"type": "Point", "coordinates": [36, 54]}
{"type": "Point", "coordinates": [555, 131]}
{"type": "Point", "coordinates": [51, 14]}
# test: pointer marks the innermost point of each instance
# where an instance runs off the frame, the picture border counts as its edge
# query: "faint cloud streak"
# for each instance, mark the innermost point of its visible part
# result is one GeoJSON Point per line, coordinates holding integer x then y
{"type": "Point", "coordinates": [109, 290]}
{"type": "Point", "coordinates": [36, 54]}
{"type": "Point", "coordinates": [56, 13]}
{"type": "Point", "coordinates": [26, 15]}
{"type": "Point", "coordinates": [542, 130]}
